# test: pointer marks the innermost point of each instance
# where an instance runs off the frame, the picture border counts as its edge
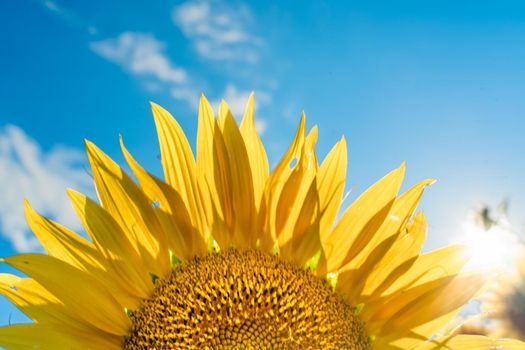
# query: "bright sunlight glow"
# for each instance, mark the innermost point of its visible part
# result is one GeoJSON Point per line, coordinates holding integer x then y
{"type": "Point", "coordinates": [492, 249]}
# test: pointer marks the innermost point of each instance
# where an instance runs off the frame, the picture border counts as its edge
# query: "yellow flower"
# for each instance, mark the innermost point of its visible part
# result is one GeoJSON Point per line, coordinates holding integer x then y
{"type": "Point", "coordinates": [504, 302]}
{"type": "Point", "coordinates": [226, 255]}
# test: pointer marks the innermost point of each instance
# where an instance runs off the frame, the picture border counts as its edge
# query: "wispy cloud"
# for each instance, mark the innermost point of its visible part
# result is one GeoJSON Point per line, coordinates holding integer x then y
{"type": "Point", "coordinates": [68, 16]}
{"type": "Point", "coordinates": [41, 177]}
{"type": "Point", "coordinates": [218, 31]}
{"type": "Point", "coordinates": [142, 54]}
{"type": "Point", "coordinates": [220, 36]}
{"type": "Point", "coordinates": [186, 93]}
{"type": "Point", "coordinates": [52, 6]}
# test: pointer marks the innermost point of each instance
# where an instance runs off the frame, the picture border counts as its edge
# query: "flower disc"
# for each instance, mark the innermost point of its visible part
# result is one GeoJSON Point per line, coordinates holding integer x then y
{"type": "Point", "coordinates": [245, 300]}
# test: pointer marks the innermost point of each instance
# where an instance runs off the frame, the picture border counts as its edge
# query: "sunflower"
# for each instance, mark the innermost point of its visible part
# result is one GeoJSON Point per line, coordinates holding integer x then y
{"type": "Point", "coordinates": [504, 303]}
{"type": "Point", "coordinates": [223, 254]}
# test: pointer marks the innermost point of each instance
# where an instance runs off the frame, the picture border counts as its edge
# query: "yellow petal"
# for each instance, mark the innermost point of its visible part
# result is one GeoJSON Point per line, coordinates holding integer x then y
{"type": "Point", "coordinates": [361, 220]}
{"type": "Point", "coordinates": [256, 153]}
{"type": "Point", "coordinates": [32, 336]}
{"type": "Point", "coordinates": [122, 198]}
{"type": "Point", "coordinates": [33, 300]}
{"type": "Point", "coordinates": [122, 259]}
{"type": "Point", "coordinates": [399, 258]}
{"type": "Point", "coordinates": [37, 336]}
{"type": "Point", "coordinates": [305, 242]}
{"type": "Point", "coordinates": [286, 164]}
{"type": "Point", "coordinates": [424, 332]}
{"type": "Point", "coordinates": [213, 171]}
{"type": "Point", "coordinates": [424, 303]}
{"type": "Point", "coordinates": [62, 243]}
{"type": "Point", "coordinates": [41, 306]}
{"type": "Point", "coordinates": [275, 185]}
{"type": "Point", "coordinates": [71, 248]}
{"type": "Point", "coordinates": [429, 270]}
{"type": "Point", "coordinates": [79, 291]}
{"type": "Point", "coordinates": [246, 227]}
{"type": "Point", "coordinates": [399, 215]}
{"type": "Point", "coordinates": [185, 241]}
{"type": "Point", "coordinates": [331, 184]}
{"type": "Point", "coordinates": [369, 262]}
{"type": "Point", "coordinates": [179, 165]}
{"type": "Point", "coordinates": [298, 217]}
{"type": "Point", "coordinates": [295, 190]}
{"type": "Point", "coordinates": [439, 263]}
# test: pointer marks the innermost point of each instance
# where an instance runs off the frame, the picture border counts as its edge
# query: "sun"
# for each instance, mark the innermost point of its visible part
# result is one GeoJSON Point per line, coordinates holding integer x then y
{"type": "Point", "coordinates": [492, 248]}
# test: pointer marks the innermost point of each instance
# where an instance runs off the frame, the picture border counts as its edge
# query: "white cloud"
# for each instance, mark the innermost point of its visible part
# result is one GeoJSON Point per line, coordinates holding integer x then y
{"type": "Point", "coordinates": [142, 54]}
{"type": "Point", "coordinates": [218, 32]}
{"type": "Point", "coordinates": [260, 125]}
{"type": "Point", "coordinates": [26, 171]}
{"type": "Point", "coordinates": [186, 93]}
{"type": "Point", "coordinates": [237, 100]}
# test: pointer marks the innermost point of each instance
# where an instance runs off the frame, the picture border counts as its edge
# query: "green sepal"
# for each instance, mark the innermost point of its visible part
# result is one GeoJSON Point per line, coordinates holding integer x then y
{"type": "Point", "coordinates": [174, 260]}
{"type": "Point", "coordinates": [312, 263]}
{"type": "Point", "coordinates": [358, 308]}
{"type": "Point", "coordinates": [129, 312]}
{"type": "Point", "coordinates": [154, 278]}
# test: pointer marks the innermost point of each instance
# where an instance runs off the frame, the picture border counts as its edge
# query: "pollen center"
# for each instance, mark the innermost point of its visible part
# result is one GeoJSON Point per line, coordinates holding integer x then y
{"type": "Point", "coordinates": [245, 300]}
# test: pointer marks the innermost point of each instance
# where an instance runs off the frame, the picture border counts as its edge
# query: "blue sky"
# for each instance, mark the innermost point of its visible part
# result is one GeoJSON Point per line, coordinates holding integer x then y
{"type": "Point", "coordinates": [439, 84]}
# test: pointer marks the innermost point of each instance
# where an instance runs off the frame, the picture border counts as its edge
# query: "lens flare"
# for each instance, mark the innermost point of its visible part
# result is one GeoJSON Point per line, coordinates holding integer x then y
{"type": "Point", "coordinates": [491, 248]}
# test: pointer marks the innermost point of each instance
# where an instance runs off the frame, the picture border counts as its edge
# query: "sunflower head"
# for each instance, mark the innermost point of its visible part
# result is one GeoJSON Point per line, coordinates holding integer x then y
{"type": "Point", "coordinates": [248, 300]}
{"type": "Point", "coordinates": [225, 254]}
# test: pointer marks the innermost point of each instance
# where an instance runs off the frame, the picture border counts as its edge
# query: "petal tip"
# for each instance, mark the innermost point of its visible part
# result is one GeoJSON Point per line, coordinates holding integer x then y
{"type": "Point", "coordinates": [28, 209]}
{"type": "Point", "coordinates": [88, 144]}
{"type": "Point", "coordinates": [71, 192]}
